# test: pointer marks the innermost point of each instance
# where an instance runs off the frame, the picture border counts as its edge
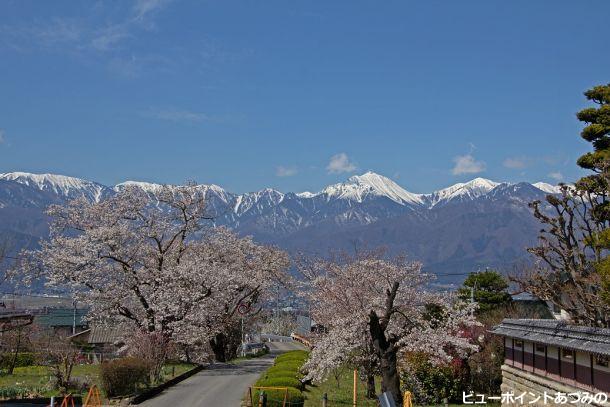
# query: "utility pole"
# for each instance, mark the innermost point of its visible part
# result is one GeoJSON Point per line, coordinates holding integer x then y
{"type": "Point", "coordinates": [277, 311]}
{"type": "Point", "coordinates": [74, 318]}
{"type": "Point", "coordinates": [355, 387]}
{"type": "Point", "coordinates": [309, 316]}
{"type": "Point", "coordinates": [472, 294]}
{"type": "Point", "coordinates": [243, 341]}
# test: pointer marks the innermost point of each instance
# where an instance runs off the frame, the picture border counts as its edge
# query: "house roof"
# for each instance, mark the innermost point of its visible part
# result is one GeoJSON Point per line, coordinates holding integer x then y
{"type": "Point", "coordinates": [62, 317]}
{"type": "Point", "coordinates": [10, 320]}
{"type": "Point", "coordinates": [11, 315]}
{"type": "Point", "coordinates": [101, 334]}
{"type": "Point", "coordinates": [557, 333]}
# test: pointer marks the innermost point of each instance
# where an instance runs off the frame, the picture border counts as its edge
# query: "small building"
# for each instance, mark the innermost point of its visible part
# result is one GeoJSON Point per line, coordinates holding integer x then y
{"type": "Point", "coordinates": [544, 309]}
{"type": "Point", "coordinates": [552, 356]}
{"type": "Point", "coordinates": [100, 342]}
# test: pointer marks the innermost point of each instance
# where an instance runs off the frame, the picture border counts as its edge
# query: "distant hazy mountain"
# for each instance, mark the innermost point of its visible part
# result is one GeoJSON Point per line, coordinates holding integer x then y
{"type": "Point", "coordinates": [456, 229]}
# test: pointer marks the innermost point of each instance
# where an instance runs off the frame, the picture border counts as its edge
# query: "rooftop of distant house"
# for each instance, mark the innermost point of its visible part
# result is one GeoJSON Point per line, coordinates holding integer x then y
{"type": "Point", "coordinates": [557, 333]}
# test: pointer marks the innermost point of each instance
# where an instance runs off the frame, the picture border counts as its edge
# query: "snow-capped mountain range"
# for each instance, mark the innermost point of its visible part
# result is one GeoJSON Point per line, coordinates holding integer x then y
{"type": "Point", "coordinates": [477, 223]}
{"type": "Point", "coordinates": [357, 188]}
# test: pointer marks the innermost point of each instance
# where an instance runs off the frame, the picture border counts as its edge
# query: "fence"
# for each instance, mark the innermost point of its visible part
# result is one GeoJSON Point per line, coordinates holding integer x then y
{"type": "Point", "coordinates": [301, 339]}
{"type": "Point", "coordinates": [264, 401]}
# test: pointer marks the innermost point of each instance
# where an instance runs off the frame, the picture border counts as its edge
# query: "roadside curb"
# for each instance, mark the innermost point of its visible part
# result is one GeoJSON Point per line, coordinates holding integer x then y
{"type": "Point", "coordinates": [148, 394]}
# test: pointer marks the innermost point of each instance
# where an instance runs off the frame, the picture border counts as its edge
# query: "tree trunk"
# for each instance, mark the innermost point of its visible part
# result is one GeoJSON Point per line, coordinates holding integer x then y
{"type": "Point", "coordinates": [187, 354]}
{"type": "Point", "coordinates": [390, 380]}
{"type": "Point", "coordinates": [386, 351]}
{"type": "Point", "coordinates": [15, 354]}
{"type": "Point", "coordinates": [370, 386]}
{"type": "Point", "coordinates": [218, 345]}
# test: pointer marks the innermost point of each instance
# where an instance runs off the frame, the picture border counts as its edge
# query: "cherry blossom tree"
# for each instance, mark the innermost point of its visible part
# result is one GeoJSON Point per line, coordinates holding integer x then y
{"type": "Point", "coordinates": [373, 310]}
{"type": "Point", "coordinates": [151, 347]}
{"type": "Point", "coordinates": [152, 264]}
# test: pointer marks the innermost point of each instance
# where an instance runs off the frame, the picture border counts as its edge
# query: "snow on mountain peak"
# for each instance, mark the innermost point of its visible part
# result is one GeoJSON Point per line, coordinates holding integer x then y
{"type": "Point", "coordinates": [548, 188]}
{"type": "Point", "coordinates": [144, 186]}
{"type": "Point", "coordinates": [69, 187]}
{"type": "Point", "coordinates": [470, 189]}
{"type": "Point", "coordinates": [359, 187]}
{"type": "Point", "coordinates": [153, 189]}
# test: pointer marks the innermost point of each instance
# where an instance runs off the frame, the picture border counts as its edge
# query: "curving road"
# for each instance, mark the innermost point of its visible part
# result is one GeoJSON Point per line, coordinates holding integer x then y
{"type": "Point", "coordinates": [220, 385]}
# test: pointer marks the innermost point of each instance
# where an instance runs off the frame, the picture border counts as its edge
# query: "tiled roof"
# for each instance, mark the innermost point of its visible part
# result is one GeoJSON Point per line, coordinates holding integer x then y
{"type": "Point", "coordinates": [102, 334]}
{"type": "Point", "coordinates": [557, 333]}
{"type": "Point", "coordinates": [14, 315]}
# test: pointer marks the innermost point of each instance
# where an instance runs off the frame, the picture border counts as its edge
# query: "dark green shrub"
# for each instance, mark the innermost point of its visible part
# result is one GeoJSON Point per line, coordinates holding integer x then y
{"type": "Point", "coordinates": [24, 359]}
{"type": "Point", "coordinates": [430, 383]}
{"type": "Point", "coordinates": [121, 377]}
{"type": "Point", "coordinates": [276, 397]}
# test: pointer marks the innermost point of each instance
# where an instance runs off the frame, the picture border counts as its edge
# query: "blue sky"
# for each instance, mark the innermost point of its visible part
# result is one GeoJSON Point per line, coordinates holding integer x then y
{"type": "Point", "coordinates": [297, 95]}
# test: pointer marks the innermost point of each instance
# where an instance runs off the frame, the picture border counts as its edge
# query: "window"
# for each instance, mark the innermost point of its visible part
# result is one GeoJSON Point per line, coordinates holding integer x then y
{"type": "Point", "coordinates": [601, 361]}
{"type": "Point", "coordinates": [567, 354]}
{"type": "Point", "coordinates": [540, 348]}
{"type": "Point", "coordinates": [518, 344]}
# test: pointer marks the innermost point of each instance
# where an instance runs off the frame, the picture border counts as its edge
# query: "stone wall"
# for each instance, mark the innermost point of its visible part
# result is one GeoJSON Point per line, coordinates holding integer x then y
{"type": "Point", "coordinates": [519, 381]}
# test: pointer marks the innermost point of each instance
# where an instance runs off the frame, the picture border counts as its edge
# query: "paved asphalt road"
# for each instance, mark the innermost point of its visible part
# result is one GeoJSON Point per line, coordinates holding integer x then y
{"type": "Point", "coordinates": [220, 385]}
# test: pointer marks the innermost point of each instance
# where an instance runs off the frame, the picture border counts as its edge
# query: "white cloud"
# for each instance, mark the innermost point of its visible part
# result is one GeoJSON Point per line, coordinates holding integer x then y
{"type": "Point", "coordinates": [59, 31]}
{"type": "Point", "coordinates": [515, 163]}
{"type": "Point", "coordinates": [466, 164]}
{"type": "Point", "coordinates": [144, 7]}
{"type": "Point", "coordinates": [282, 171]}
{"type": "Point", "coordinates": [108, 37]}
{"type": "Point", "coordinates": [340, 163]}
{"type": "Point", "coordinates": [557, 176]}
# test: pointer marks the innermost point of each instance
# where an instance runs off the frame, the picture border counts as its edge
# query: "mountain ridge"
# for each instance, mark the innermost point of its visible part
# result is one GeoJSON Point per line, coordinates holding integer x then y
{"type": "Point", "coordinates": [455, 229]}
{"type": "Point", "coordinates": [354, 188]}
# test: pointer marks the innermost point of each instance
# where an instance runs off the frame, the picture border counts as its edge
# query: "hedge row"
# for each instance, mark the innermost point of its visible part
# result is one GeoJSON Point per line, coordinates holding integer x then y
{"type": "Point", "coordinates": [284, 373]}
{"type": "Point", "coordinates": [297, 355]}
{"type": "Point", "coordinates": [281, 381]}
{"type": "Point", "coordinates": [280, 370]}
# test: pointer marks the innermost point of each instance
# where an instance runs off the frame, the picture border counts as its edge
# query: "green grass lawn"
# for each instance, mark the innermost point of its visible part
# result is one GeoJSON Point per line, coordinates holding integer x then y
{"type": "Point", "coordinates": [339, 392]}
{"type": "Point", "coordinates": [36, 380]}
